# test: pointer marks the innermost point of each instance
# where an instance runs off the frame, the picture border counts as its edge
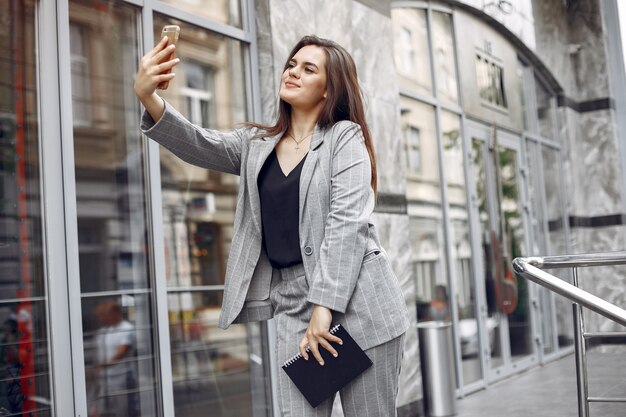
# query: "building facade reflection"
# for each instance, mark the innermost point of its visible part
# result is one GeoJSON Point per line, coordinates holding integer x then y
{"type": "Point", "coordinates": [461, 251]}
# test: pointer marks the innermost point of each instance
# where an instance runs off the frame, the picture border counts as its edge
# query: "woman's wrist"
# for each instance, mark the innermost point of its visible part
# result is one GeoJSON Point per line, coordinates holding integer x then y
{"type": "Point", "coordinates": [154, 105]}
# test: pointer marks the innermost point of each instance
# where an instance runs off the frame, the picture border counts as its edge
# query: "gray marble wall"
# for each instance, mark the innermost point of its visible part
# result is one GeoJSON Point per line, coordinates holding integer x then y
{"type": "Point", "coordinates": [367, 34]}
{"type": "Point", "coordinates": [605, 282]}
{"type": "Point", "coordinates": [572, 43]}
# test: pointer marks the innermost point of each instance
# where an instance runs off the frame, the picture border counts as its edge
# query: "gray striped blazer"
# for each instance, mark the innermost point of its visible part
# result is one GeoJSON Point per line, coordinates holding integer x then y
{"type": "Point", "coordinates": [346, 268]}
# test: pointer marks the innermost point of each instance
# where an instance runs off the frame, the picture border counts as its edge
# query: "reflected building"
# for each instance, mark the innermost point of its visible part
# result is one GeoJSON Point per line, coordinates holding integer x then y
{"type": "Point", "coordinates": [493, 141]}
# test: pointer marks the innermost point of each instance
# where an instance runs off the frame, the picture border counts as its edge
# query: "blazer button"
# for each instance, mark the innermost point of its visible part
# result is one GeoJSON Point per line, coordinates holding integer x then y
{"type": "Point", "coordinates": [308, 250]}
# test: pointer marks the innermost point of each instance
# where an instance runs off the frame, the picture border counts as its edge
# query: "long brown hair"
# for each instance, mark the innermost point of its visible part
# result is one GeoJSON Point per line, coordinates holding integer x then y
{"type": "Point", "coordinates": [344, 99]}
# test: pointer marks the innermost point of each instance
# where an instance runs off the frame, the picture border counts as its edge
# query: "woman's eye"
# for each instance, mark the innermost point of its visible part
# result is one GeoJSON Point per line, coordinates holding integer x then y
{"type": "Point", "coordinates": [309, 70]}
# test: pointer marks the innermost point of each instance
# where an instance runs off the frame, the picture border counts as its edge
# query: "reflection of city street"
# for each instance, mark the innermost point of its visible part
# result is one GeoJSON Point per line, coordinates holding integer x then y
{"type": "Point", "coordinates": [211, 368]}
{"type": "Point", "coordinates": [211, 362]}
{"type": "Point", "coordinates": [203, 349]}
{"type": "Point", "coordinates": [114, 375]}
{"type": "Point", "coordinates": [10, 367]}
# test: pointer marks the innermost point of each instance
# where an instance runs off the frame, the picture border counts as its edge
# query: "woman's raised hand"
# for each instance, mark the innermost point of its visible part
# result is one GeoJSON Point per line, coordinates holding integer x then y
{"type": "Point", "coordinates": [153, 67]}
{"type": "Point", "coordinates": [151, 73]}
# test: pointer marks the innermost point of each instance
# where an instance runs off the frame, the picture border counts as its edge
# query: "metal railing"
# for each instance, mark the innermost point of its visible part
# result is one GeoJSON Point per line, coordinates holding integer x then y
{"type": "Point", "coordinates": [531, 268]}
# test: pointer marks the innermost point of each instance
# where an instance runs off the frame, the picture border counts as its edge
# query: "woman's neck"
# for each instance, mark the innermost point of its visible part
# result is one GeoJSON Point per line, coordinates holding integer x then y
{"type": "Point", "coordinates": [302, 123]}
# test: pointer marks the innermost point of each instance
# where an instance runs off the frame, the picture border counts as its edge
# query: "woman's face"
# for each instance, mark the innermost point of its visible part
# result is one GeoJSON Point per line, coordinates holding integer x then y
{"type": "Point", "coordinates": [303, 83]}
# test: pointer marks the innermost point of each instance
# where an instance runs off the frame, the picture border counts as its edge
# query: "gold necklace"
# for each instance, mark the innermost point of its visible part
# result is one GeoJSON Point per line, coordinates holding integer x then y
{"type": "Point", "coordinates": [298, 142]}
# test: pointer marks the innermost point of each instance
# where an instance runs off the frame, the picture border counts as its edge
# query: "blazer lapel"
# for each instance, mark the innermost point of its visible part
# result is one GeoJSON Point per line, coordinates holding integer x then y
{"type": "Point", "coordinates": [260, 149]}
{"type": "Point", "coordinates": [309, 167]}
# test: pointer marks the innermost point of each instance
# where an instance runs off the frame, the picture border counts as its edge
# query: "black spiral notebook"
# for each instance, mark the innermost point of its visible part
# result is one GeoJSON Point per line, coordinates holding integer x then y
{"type": "Point", "coordinates": [316, 382]}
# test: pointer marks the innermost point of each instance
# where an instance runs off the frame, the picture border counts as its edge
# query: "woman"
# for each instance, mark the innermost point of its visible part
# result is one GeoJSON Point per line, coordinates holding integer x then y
{"type": "Point", "coordinates": [303, 250]}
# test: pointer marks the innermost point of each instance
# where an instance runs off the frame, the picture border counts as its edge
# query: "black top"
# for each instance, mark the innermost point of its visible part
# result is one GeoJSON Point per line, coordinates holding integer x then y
{"type": "Point", "coordinates": [280, 199]}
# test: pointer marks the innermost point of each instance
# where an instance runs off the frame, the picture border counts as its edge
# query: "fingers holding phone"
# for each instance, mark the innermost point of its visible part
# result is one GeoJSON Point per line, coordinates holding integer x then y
{"type": "Point", "coordinates": [171, 32]}
{"type": "Point", "coordinates": [155, 68]}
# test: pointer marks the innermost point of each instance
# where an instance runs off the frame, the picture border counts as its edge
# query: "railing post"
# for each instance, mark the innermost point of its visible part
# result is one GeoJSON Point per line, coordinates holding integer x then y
{"type": "Point", "coordinates": [581, 358]}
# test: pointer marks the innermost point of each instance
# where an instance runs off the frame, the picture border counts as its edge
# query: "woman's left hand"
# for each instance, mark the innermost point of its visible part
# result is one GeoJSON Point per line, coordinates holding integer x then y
{"type": "Point", "coordinates": [318, 333]}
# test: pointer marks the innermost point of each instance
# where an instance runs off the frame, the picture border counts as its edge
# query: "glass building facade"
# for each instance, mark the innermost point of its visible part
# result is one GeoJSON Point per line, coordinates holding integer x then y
{"type": "Point", "coordinates": [105, 236]}
{"type": "Point", "coordinates": [484, 186]}
{"type": "Point", "coordinates": [113, 251]}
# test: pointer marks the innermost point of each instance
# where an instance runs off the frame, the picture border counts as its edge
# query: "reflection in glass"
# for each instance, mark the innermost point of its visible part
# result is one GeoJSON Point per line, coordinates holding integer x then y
{"type": "Point", "coordinates": [24, 384]}
{"type": "Point", "coordinates": [412, 55]}
{"type": "Point", "coordinates": [545, 111]}
{"type": "Point", "coordinates": [519, 82]}
{"type": "Point", "coordinates": [554, 187]}
{"type": "Point", "coordinates": [111, 207]}
{"type": "Point", "coordinates": [535, 191]}
{"type": "Point", "coordinates": [211, 367]}
{"type": "Point", "coordinates": [539, 243]}
{"type": "Point", "coordinates": [444, 56]}
{"type": "Point", "coordinates": [490, 81]}
{"type": "Point", "coordinates": [223, 11]}
{"type": "Point", "coordinates": [512, 294]}
{"type": "Point", "coordinates": [426, 223]}
{"type": "Point", "coordinates": [119, 356]}
{"type": "Point", "coordinates": [108, 152]}
{"type": "Point", "coordinates": [479, 173]}
{"type": "Point", "coordinates": [20, 213]}
{"type": "Point", "coordinates": [503, 239]}
{"type": "Point", "coordinates": [24, 358]}
{"type": "Point", "coordinates": [461, 251]}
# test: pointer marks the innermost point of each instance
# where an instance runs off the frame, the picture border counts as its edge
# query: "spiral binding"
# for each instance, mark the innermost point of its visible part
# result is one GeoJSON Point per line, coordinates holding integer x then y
{"type": "Point", "coordinates": [294, 358]}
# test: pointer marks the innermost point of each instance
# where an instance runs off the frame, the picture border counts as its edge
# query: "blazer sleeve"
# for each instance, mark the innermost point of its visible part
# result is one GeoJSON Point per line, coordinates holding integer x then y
{"type": "Point", "coordinates": [346, 229]}
{"type": "Point", "coordinates": [212, 149]}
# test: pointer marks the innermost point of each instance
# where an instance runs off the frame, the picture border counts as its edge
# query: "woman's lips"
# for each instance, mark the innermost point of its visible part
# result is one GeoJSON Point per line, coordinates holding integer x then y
{"type": "Point", "coordinates": [291, 84]}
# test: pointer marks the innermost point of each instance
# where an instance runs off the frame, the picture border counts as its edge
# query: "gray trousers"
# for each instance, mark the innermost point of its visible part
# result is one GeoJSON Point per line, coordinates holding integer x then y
{"type": "Point", "coordinates": [372, 394]}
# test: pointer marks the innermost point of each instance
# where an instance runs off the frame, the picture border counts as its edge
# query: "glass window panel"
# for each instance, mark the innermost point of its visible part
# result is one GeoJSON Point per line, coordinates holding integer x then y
{"type": "Point", "coordinates": [223, 11]}
{"type": "Point", "coordinates": [111, 206]}
{"type": "Point", "coordinates": [210, 366]}
{"type": "Point", "coordinates": [479, 170]}
{"type": "Point", "coordinates": [24, 355]}
{"type": "Point", "coordinates": [21, 260]}
{"type": "Point", "coordinates": [512, 245]}
{"type": "Point", "coordinates": [539, 243]}
{"type": "Point", "coordinates": [519, 82]}
{"type": "Point", "coordinates": [545, 111]}
{"type": "Point", "coordinates": [443, 54]}
{"type": "Point", "coordinates": [461, 250]}
{"type": "Point", "coordinates": [119, 356]}
{"type": "Point", "coordinates": [490, 81]}
{"type": "Point", "coordinates": [198, 205]}
{"type": "Point", "coordinates": [24, 358]}
{"type": "Point", "coordinates": [425, 209]}
{"type": "Point", "coordinates": [109, 159]}
{"type": "Point", "coordinates": [557, 244]}
{"type": "Point", "coordinates": [411, 51]}
{"type": "Point", "coordinates": [535, 193]}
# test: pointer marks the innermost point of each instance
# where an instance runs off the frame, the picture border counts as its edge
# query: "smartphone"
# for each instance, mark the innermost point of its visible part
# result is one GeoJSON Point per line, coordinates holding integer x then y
{"type": "Point", "coordinates": [172, 32]}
